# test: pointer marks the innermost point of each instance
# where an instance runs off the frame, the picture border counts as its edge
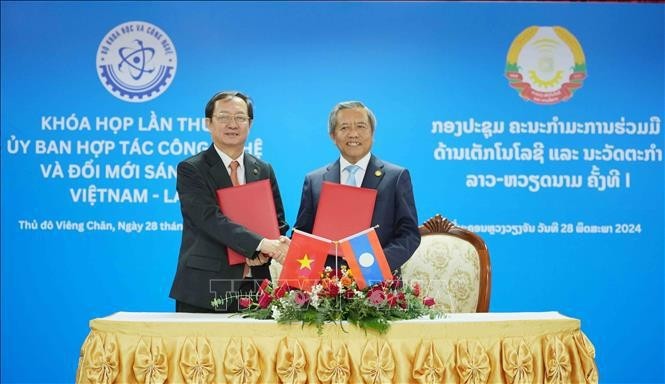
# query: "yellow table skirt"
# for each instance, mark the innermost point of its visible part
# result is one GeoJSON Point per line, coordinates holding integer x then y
{"type": "Point", "coordinates": [214, 348]}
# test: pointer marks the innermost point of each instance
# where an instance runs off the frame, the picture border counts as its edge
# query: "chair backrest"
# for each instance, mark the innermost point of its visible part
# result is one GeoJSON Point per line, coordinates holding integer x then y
{"type": "Point", "coordinates": [452, 265]}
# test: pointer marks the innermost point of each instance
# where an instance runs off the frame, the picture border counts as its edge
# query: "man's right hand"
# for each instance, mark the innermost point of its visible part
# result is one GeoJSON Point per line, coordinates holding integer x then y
{"type": "Point", "coordinates": [276, 249]}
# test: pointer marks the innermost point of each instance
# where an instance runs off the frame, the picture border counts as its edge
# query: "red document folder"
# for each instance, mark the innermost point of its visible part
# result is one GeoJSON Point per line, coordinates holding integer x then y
{"type": "Point", "coordinates": [252, 206]}
{"type": "Point", "coordinates": [343, 210]}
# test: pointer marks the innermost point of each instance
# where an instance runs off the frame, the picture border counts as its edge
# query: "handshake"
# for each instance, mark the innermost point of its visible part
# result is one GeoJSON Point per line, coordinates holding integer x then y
{"type": "Point", "coordinates": [275, 249]}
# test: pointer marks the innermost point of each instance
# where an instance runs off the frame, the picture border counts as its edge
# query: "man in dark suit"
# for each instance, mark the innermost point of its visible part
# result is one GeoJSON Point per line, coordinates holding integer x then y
{"type": "Point", "coordinates": [203, 271]}
{"type": "Point", "coordinates": [351, 126]}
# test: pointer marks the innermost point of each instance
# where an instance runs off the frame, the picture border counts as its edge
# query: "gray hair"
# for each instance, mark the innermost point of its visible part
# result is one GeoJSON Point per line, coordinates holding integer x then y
{"type": "Point", "coordinates": [332, 119]}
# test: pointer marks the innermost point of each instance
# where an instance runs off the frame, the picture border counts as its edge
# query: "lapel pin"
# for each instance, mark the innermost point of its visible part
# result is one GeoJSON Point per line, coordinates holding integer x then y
{"type": "Point", "coordinates": [255, 171]}
{"type": "Point", "coordinates": [377, 173]}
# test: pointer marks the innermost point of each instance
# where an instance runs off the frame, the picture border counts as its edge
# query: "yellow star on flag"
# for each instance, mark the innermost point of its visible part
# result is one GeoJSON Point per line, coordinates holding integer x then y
{"type": "Point", "coordinates": [305, 262]}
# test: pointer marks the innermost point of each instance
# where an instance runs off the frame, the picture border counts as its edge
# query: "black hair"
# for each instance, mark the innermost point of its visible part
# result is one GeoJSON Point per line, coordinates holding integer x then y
{"type": "Point", "coordinates": [210, 107]}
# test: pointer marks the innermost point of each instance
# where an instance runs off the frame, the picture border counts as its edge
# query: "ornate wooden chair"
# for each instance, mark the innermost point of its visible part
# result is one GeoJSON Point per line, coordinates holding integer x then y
{"type": "Point", "coordinates": [452, 265]}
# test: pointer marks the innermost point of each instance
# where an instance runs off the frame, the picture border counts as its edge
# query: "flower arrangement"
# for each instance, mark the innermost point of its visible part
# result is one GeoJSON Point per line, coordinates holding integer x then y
{"type": "Point", "coordinates": [336, 298]}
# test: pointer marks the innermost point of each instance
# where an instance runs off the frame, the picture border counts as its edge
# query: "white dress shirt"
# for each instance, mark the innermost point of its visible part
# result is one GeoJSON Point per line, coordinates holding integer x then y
{"type": "Point", "coordinates": [226, 159]}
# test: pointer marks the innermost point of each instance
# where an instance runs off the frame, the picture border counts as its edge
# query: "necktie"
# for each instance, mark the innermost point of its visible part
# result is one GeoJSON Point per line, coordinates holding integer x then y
{"type": "Point", "coordinates": [351, 177]}
{"type": "Point", "coordinates": [234, 172]}
{"type": "Point", "coordinates": [234, 180]}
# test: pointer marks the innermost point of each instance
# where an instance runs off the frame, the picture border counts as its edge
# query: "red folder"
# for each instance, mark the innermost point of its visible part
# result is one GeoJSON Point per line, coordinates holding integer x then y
{"type": "Point", "coordinates": [343, 210]}
{"type": "Point", "coordinates": [252, 206]}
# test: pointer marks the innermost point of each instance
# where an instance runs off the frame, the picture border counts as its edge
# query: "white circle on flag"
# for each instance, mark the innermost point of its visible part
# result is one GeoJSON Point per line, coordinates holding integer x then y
{"type": "Point", "coordinates": [366, 259]}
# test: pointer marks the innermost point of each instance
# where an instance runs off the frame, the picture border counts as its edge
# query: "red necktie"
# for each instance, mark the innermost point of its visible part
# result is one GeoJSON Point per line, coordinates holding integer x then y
{"type": "Point", "coordinates": [234, 172]}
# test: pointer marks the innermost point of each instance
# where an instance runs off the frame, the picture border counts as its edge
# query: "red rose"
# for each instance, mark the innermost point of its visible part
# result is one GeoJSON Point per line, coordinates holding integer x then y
{"type": "Point", "coordinates": [428, 301]}
{"type": "Point", "coordinates": [396, 283]}
{"type": "Point", "coordinates": [349, 294]}
{"type": "Point", "coordinates": [378, 287]}
{"type": "Point", "coordinates": [376, 297]}
{"type": "Point", "coordinates": [391, 300]}
{"type": "Point", "coordinates": [333, 289]}
{"type": "Point", "coordinates": [301, 298]}
{"type": "Point", "coordinates": [401, 300]}
{"type": "Point", "coordinates": [416, 289]}
{"type": "Point", "coordinates": [245, 302]}
{"type": "Point", "coordinates": [265, 300]}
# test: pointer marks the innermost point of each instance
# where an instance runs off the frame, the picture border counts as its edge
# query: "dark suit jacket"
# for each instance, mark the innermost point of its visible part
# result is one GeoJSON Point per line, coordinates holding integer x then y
{"type": "Point", "coordinates": [203, 267]}
{"type": "Point", "coordinates": [394, 211]}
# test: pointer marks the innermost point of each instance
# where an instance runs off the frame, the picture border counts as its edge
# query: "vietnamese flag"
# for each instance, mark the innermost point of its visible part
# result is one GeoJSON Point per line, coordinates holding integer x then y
{"type": "Point", "coordinates": [305, 260]}
{"type": "Point", "coordinates": [366, 259]}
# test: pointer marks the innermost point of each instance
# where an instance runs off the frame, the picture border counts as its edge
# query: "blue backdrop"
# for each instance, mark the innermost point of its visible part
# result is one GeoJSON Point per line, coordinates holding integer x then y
{"type": "Point", "coordinates": [573, 222]}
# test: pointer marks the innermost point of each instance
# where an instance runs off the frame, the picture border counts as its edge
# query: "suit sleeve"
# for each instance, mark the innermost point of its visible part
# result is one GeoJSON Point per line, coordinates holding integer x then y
{"type": "Point", "coordinates": [199, 207]}
{"type": "Point", "coordinates": [279, 206]}
{"type": "Point", "coordinates": [305, 218]}
{"type": "Point", "coordinates": [406, 237]}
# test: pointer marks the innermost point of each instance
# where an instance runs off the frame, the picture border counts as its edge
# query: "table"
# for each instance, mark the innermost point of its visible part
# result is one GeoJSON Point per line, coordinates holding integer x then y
{"type": "Point", "coordinates": [540, 347]}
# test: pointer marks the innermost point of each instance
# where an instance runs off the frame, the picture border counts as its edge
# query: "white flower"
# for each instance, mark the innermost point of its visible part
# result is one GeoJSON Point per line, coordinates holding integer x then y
{"type": "Point", "coordinates": [276, 314]}
{"type": "Point", "coordinates": [314, 300]}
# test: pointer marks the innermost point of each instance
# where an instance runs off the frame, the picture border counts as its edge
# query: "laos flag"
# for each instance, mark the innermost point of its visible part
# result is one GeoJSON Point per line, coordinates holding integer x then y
{"type": "Point", "coordinates": [366, 259]}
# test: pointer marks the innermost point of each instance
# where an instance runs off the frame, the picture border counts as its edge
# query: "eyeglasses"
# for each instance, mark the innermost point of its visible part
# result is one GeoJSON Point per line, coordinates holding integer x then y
{"type": "Point", "coordinates": [225, 118]}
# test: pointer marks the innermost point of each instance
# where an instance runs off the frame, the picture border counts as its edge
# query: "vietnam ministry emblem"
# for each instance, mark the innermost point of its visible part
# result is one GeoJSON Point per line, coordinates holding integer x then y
{"type": "Point", "coordinates": [136, 61]}
{"type": "Point", "coordinates": [545, 64]}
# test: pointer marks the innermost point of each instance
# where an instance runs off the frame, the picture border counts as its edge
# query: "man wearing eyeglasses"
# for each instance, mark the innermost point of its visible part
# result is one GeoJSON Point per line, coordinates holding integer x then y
{"type": "Point", "coordinates": [203, 271]}
{"type": "Point", "coordinates": [351, 127]}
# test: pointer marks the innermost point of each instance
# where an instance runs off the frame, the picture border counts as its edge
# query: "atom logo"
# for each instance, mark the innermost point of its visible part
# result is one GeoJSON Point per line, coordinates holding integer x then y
{"type": "Point", "coordinates": [136, 61]}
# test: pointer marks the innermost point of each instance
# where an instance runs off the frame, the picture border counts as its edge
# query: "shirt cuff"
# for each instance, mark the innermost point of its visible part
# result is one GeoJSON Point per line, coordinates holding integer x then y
{"type": "Point", "coordinates": [258, 248]}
